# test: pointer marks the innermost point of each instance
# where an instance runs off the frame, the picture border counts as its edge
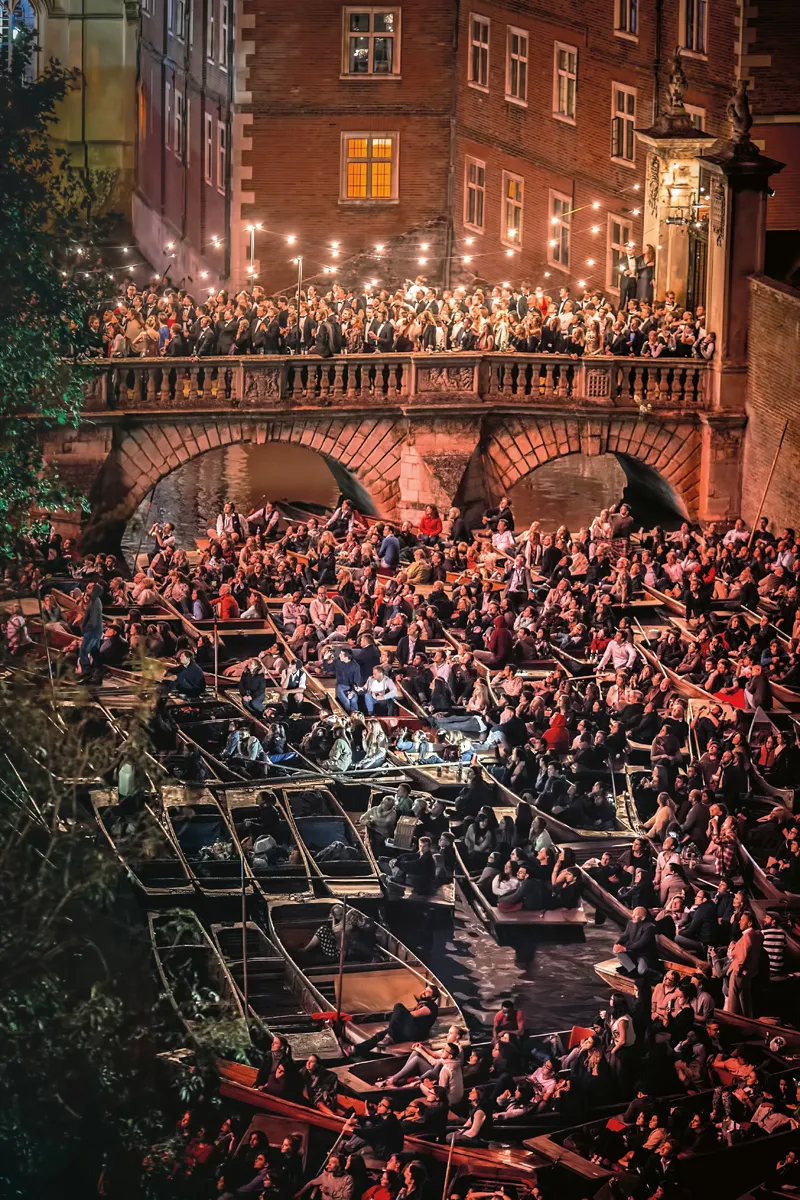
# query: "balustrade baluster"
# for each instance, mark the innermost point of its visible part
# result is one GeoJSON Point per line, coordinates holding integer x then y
{"type": "Point", "coordinates": [561, 388]}
{"type": "Point", "coordinates": [365, 380]}
{"type": "Point", "coordinates": [338, 380]}
{"type": "Point", "coordinates": [192, 398]}
{"type": "Point", "coordinates": [676, 393]}
{"type": "Point", "coordinates": [351, 381]}
{"type": "Point", "coordinates": [651, 389]}
{"type": "Point", "coordinates": [504, 378]}
{"type": "Point", "coordinates": [548, 382]}
{"type": "Point", "coordinates": [324, 381]}
{"type": "Point", "coordinates": [393, 389]}
{"type": "Point", "coordinates": [663, 385]}
{"type": "Point", "coordinates": [150, 390]}
{"type": "Point", "coordinates": [164, 386]}
{"type": "Point", "coordinates": [638, 384]}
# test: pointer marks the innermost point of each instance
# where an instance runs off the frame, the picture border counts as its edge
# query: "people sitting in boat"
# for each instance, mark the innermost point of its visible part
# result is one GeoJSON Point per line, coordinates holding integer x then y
{"type": "Point", "coordinates": [408, 1025]}
{"type": "Point", "coordinates": [320, 1086]}
{"type": "Point", "coordinates": [416, 870]}
{"type": "Point", "coordinates": [253, 687]}
{"type": "Point", "coordinates": [636, 948]}
{"type": "Point", "coordinates": [476, 1129]}
{"type": "Point", "coordinates": [333, 1183]}
{"type": "Point", "coordinates": [445, 858]}
{"type": "Point", "coordinates": [604, 870]}
{"type": "Point", "coordinates": [340, 757]}
{"type": "Point", "coordinates": [190, 682]}
{"type": "Point", "coordinates": [377, 1130]}
{"type": "Point", "coordinates": [442, 1067]}
{"type": "Point", "coordinates": [242, 743]}
{"type": "Point", "coordinates": [380, 820]}
{"type": "Point", "coordinates": [357, 930]}
{"type": "Point", "coordinates": [426, 1116]}
{"type": "Point", "coordinates": [508, 1019]}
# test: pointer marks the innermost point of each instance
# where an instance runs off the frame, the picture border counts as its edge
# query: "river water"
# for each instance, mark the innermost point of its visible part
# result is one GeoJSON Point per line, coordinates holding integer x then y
{"type": "Point", "coordinates": [568, 491]}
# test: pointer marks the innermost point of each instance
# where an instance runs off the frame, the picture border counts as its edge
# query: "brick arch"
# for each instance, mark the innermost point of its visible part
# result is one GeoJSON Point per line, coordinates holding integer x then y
{"type": "Point", "coordinates": [144, 453]}
{"type": "Point", "coordinates": [516, 446]}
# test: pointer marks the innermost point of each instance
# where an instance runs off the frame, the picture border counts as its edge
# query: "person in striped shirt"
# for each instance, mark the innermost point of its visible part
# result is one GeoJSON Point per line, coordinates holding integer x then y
{"type": "Point", "coordinates": [774, 940]}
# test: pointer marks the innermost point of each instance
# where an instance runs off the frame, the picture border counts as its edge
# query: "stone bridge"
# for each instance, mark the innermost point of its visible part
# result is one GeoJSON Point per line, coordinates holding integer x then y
{"type": "Point", "coordinates": [405, 430]}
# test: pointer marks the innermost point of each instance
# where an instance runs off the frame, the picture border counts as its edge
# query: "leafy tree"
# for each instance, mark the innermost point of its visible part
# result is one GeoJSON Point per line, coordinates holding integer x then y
{"type": "Point", "coordinates": [52, 278]}
{"type": "Point", "coordinates": [94, 1070]}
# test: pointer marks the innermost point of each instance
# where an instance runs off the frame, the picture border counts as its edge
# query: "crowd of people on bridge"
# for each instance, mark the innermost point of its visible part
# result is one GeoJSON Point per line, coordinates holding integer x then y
{"type": "Point", "coordinates": [167, 321]}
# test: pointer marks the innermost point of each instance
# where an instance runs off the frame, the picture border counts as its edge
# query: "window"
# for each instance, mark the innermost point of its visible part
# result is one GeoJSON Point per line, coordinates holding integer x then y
{"type": "Point", "coordinates": [623, 120]}
{"type": "Point", "coordinates": [190, 22]}
{"type": "Point", "coordinates": [511, 215]}
{"type": "Point", "coordinates": [479, 52]}
{"type": "Point", "coordinates": [474, 193]}
{"type": "Point", "coordinates": [627, 24]}
{"type": "Point", "coordinates": [168, 115]}
{"type": "Point", "coordinates": [371, 41]}
{"type": "Point", "coordinates": [222, 156]}
{"type": "Point", "coordinates": [695, 13]}
{"type": "Point", "coordinates": [208, 148]}
{"type": "Point", "coordinates": [517, 66]}
{"type": "Point", "coordinates": [180, 18]}
{"type": "Point", "coordinates": [187, 136]}
{"type": "Point", "coordinates": [565, 81]}
{"type": "Point", "coordinates": [177, 142]}
{"type": "Point", "coordinates": [698, 116]}
{"type": "Point", "coordinates": [224, 16]}
{"type": "Point", "coordinates": [619, 234]}
{"type": "Point", "coordinates": [369, 166]}
{"type": "Point", "coordinates": [558, 242]}
{"type": "Point", "coordinates": [211, 30]}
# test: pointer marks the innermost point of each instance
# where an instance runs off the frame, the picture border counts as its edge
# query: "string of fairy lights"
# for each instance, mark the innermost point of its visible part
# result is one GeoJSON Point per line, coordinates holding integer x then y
{"type": "Point", "coordinates": [330, 258]}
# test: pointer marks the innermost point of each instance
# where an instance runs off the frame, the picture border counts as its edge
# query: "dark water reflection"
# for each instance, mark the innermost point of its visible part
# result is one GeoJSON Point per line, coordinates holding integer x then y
{"type": "Point", "coordinates": [569, 491]}
{"type": "Point", "coordinates": [192, 496]}
{"type": "Point", "coordinates": [550, 974]}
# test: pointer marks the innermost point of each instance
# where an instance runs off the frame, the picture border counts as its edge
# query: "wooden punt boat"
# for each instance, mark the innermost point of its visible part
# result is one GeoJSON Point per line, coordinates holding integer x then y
{"type": "Point", "coordinates": [506, 926]}
{"type": "Point", "coordinates": [205, 841]}
{"type": "Point", "coordinates": [237, 1083]}
{"type": "Point", "coordinates": [143, 847]}
{"type": "Point", "coordinates": [769, 889]}
{"type": "Point", "coordinates": [289, 876]}
{"type": "Point", "coordinates": [318, 822]}
{"type": "Point", "coordinates": [721, 1172]}
{"type": "Point", "coordinates": [559, 830]}
{"type": "Point", "coordinates": [390, 974]}
{"type": "Point", "coordinates": [748, 1028]}
{"type": "Point", "coordinates": [268, 990]}
{"type": "Point", "coordinates": [619, 912]}
{"type": "Point", "coordinates": [206, 723]}
{"type": "Point", "coordinates": [195, 979]}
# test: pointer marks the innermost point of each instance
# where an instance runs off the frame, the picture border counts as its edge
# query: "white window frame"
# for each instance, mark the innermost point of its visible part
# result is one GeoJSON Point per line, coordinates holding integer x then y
{"type": "Point", "coordinates": [481, 46]}
{"type": "Point", "coordinates": [516, 206]}
{"type": "Point", "coordinates": [211, 30]}
{"type": "Point", "coordinates": [179, 30]}
{"type": "Point", "coordinates": [626, 117]}
{"type": "Point", "coordinates": [554, 230]}
{"type": "Point", "coordinates": [190, 23]}
{"type": "Point", "coordinates": [694, 110]}
{"type": "Point", "coordinates": [521, 60]}
{"type": "Point", "coordinates": [187, 141]}
{"type": "Point", "coordinates": [167, 114]}
{"type": "Point", "coordinates": [479, 189]}
{"type": "Point", "coordinates": [698, 26]}
{"type": "Point", "coordinates": [224, 31]}
{"type": "Point", "coordinates": [178, 144]}
{"type": "Point", "coordinates": [208, 147]}
{"type": "Point", "coordinates": [558, 75]}
{"type": "Point", "coordinates": [347, 12]}
{"type": "Point", "coordinates": [626, 13]}
{"type": "Point", "coordinates": [369, 135]}
{"type": "Point", "coordinates": [612, 275]}
{"type": "Point", "coordinates": [222, 156]}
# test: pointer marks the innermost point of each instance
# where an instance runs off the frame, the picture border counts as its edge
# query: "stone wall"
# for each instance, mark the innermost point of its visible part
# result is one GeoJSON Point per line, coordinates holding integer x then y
{"type": "Point", "coordinates": [773, 397]}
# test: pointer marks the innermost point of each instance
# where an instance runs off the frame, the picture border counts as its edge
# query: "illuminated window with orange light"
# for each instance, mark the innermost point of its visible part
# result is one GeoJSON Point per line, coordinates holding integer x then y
{"type": "Point", "coordinates": [369, 166]}
{"type": "Point", "coordinates": [511, 214]}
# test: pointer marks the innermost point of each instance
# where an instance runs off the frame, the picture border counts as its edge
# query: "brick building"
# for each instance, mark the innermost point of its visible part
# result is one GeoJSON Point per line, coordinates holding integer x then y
{"type": "Point", "coordinates": [491, 140]}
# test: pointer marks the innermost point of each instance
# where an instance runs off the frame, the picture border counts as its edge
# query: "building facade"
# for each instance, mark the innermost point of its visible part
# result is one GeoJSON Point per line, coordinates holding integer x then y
{"type": "Point", "coordinates": [96, 123]}
{"type": "Point", "coordinates": [455, 140]}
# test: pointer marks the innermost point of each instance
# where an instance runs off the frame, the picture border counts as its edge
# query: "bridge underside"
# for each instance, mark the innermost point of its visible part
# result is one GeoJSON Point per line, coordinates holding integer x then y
{"type": "Point", "coordinates": [398, 462]}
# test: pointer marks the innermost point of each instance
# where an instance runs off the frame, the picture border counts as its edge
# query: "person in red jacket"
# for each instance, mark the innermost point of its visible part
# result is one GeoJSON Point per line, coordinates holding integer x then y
{"type": "Point", "coordinates": [498, 648]}
{"type": "Point", "coordinates": [226, 606]}
{"type": "Point", "coordinates": [557, 736]}
{"type": "Point", "coordinates": [430, 526]}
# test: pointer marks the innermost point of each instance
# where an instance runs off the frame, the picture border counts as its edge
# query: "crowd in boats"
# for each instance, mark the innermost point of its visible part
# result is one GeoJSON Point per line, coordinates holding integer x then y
{"type": "Point", "coordinates": [626, 691]}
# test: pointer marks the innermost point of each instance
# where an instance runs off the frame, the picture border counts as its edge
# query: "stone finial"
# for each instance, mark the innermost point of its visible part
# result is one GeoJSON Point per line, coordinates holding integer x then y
{"type": "Point", "coordinates": [676, 83]}
{"type": "Point", "coordinates": [738, 113]}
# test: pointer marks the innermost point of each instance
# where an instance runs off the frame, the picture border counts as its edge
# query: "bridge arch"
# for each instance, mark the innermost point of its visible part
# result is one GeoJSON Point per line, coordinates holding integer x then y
{"type": "Point", "coordinates": [363, 449]}
{"type": "Point", "coordinates": [664, 455]}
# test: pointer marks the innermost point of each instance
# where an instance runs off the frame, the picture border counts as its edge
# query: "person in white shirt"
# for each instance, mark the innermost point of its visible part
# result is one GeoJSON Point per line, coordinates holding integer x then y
{"type": "Point", "coordinates": [293, 613]}
{"type": "Point", "coordinates": [380, 693]}
{"type": "Point", "coordinates": [322, 612]}
{"type": "Point", "coordinates": [737, 535]}
{"type": "Point", "coordinates": [619, 652]}
{"type": "Point", "coordinates": [503, 540]}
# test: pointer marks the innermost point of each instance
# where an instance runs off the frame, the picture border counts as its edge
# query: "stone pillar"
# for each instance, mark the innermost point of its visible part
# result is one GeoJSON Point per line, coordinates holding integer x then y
{"type": "Point", "coordinates": [721, 451]}
{"type": "Point", "coordinates": [672, 186]}
{"type": "Point", "coordinates": [436, 455]}
{"type": "Point", "coordinates": [737, 228]}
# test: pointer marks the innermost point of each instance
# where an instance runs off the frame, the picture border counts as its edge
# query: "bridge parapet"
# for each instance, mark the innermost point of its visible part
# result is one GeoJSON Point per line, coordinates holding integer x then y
{"type": "Point", "coordinates": [279, 383]}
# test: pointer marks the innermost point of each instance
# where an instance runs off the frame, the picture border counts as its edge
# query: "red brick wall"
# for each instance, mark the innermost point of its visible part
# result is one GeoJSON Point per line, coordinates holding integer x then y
{"type": "Point", "coordinates": [301, 107]}
{"type": "Point", "coordinates": [573, 160]}
{"type": "Point", "coordinates": [773, 394]}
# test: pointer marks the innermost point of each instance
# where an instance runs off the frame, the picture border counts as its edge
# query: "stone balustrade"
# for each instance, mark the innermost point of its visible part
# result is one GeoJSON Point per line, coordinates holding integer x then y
{"type": "Point", "coordinates": [397, 380]}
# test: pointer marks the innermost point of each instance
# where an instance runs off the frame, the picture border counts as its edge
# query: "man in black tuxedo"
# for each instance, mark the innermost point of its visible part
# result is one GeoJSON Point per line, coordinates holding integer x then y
{"type": "Point", "coordinates": [385, 336]}
{"type": "Point", "coordinates": [206, 342]}
{"type": "Point", "coordinates": [258, 329]}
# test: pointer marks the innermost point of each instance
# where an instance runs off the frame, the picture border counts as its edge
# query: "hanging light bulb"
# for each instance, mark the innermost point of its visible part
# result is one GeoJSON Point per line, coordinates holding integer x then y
{"type": "Point", "coordinates": [291, 239]}
{"type": "Point", "coordinates": [467, 258]}
{"type": "Point", "coordinates": [595, 229]}
{"type": "Point", "coordinates": [509, 253]}
{"type": "Point", "coordinates": [547, 274]}
{"type": "Point", "coordinates": [636, 211]}
{"type": "Point", "coordinates": [422, 261]}
{"type": "Point", "coordinates": [590, 262]}
{"type": "Point", "coordinates": [424, 246]}
{"type": "Point", "coordinates": [552, 242]}
{"type": "Point", "coordinates": [595, 204]}
{"type": "Point", "coordinates": [469, 241]}
{"type": "Point", "coordinates": [379, 247]}
{"type": "Point", "coordinates": [335, 253]}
